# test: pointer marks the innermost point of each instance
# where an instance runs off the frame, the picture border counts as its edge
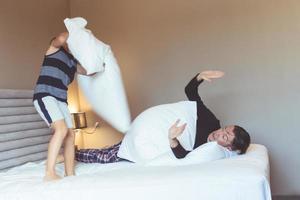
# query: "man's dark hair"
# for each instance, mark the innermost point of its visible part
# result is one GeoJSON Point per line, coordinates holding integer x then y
{"type": "Point", "coordinates": [241, 140]}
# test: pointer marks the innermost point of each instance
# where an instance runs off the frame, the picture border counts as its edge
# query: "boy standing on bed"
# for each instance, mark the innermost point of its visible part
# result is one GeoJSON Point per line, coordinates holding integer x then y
{"type": "Point", "coordinates": [50, 100]}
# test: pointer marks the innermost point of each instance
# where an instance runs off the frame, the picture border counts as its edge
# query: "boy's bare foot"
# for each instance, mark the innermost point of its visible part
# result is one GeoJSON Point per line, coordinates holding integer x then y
{"type": "Point", "coordinates": [51, 177]}
{"type": "Point", "coordinates": [70, 175]}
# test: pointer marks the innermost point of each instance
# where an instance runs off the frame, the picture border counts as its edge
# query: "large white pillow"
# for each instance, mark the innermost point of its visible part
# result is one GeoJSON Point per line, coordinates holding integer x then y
{"type": "Point", "coordinates": [207, 152]}
{"type": "Point", "coordinates": [147, 137]}
{"type": "Point", "coordinates": [84, 46]}
{"type": "Point", "coordinates": [104, 91]}
{"type": "Point", "coordinates": [106, 94]}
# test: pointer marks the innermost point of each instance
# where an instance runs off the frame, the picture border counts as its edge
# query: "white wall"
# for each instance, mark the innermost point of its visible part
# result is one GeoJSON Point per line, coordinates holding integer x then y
{"type": "Point", "coordinates": [26, 30]}
{"type": "Point", "coordinates": [160, 45]}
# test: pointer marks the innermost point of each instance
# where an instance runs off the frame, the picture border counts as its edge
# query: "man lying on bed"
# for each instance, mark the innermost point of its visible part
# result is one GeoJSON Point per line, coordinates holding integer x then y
{"type": "Point", "coordinates": [233, 137]}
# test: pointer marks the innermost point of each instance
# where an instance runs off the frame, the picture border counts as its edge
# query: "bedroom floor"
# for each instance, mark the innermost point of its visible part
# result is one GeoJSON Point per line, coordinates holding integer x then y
{"type": "Point", "coordinates": [286, 198]}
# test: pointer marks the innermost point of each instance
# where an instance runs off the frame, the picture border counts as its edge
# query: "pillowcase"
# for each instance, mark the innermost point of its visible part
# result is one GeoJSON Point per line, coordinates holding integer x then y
{"type": "Point", "coordinates": [106, 94]}
{"type": "Point", "coordinates": [84, 46]}
{"type": "Point", "coordinates": [207, 152]}
{"type": "Point", "coordinates": [147, 137]}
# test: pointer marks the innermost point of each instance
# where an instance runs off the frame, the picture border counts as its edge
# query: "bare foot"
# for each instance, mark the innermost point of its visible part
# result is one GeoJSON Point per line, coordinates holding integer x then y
{"type": "Point", "coordinates": [69, 175]}
{"type": "Point", "coordinates": [51, 177]}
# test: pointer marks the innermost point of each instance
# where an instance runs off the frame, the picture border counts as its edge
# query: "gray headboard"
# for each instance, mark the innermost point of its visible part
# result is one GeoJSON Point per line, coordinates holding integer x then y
{"type": "Point", "coordinates": [24, 136]}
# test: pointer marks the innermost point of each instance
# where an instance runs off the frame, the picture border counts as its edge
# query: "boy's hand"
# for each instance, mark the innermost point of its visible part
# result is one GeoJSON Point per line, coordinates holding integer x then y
{"type": "Point", "coordinates": [92, 74]}
{"type": "Point", "coordinates": [211, 74]}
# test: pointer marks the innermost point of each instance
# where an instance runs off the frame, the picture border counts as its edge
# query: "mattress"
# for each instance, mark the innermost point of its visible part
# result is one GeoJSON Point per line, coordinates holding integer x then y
{"type": "Point", "coordinates": [241, 177]}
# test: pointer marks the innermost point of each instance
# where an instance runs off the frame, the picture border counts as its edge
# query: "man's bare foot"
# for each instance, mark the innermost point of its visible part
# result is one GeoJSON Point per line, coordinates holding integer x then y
{"type": "Point", "coordinates": [51, 177]}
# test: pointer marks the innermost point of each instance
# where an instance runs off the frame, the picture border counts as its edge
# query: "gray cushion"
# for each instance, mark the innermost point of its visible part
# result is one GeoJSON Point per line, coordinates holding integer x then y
{"type": "Point", "coordinates": [8, 111]}
{"type": "Point", "coordinates": [14, 144]}
{"type": "Point", "coordinates": [24, 136]}
{"type": "Point", "coordinates": [21, 160]}
{"type": "Point", "coordinates": [19, 118]}
{"type": "Point", "coordinates": [15, 153]}
{"type": "Point", "coordinates": [15, 102]}
{"type": "Point", "coordinates": [22, 126]}
{"type": "Point", "coordinates": [15, 94]}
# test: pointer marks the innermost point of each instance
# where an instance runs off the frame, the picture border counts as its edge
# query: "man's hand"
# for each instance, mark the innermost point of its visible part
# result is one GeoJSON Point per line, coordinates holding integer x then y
{"type": "Point", "coordinates": [174, 132]}
{"type": "Point", "coordinates": [211, 74]}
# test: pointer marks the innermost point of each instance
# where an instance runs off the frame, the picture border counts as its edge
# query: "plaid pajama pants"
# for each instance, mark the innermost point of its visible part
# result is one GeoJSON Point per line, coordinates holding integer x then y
{"type": "Point", "coordinates": [105, 155]}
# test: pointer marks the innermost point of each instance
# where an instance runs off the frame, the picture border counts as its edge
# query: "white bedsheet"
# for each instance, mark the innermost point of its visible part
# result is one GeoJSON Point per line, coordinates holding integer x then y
{"type": "Point", "coordinates": [243, 177]}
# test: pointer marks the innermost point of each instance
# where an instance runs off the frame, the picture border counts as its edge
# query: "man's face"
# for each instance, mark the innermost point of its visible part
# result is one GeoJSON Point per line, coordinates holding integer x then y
{"type": "Point", "coordinates": [224, 136]}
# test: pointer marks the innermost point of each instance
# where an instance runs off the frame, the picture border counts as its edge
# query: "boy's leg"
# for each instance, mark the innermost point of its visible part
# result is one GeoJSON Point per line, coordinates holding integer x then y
{"type": "Point", "coordinates": [60, 132]}
{"type": "Point", "coordinates": [69, 147]}
{"type": "Point", "coordinates": [69, 153]}
{"type": "Point", "coordinates": [48, 108]}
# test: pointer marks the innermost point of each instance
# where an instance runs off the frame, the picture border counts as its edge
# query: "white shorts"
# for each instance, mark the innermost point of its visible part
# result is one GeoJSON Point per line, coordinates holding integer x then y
{"type": "Point", "coordinates": [51, 110]}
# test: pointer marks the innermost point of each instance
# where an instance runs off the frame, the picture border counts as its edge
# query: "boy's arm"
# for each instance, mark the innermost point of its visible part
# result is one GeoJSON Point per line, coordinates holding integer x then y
{"type": "Point", "coordinates": [82, 71]}
{"type": "Point", "coordinates": [60, 40]}
{"type": "Point", "coordinates": [57, 42]}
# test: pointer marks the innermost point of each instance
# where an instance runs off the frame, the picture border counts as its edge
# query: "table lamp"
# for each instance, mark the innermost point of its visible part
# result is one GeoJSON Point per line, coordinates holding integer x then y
{"type": "Point", "coordinates": [79, 120]}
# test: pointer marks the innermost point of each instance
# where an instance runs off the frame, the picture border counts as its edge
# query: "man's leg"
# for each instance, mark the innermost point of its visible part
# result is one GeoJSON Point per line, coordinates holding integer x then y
{"type": "Point", "coordinates": [105, 155]}
{"type": "Point", "coordinates": [69, 153]}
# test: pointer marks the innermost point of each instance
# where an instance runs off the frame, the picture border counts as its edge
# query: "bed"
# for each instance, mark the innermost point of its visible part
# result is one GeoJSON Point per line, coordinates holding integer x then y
{"type": "Point", "coordinates": [240, 177]}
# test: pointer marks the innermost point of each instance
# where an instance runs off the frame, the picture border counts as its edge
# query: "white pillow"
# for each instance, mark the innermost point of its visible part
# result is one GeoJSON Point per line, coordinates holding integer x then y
{"type": "Point", "coordinates": [207, 152]}
{"type": "Point", "coordinates": [84, 46]}
{"type": "Point", "coordinates": [106, 94]}
{"type": "Point", "coordinates": [147, 137]}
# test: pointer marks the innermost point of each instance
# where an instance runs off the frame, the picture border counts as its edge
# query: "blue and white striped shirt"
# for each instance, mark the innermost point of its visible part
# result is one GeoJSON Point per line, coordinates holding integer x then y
{"type": "Point", "coordinates": [57, 72]}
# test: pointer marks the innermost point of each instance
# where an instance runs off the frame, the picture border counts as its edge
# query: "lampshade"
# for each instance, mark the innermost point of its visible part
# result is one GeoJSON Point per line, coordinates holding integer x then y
{"type": "Point", "coordinates": [79, 120]}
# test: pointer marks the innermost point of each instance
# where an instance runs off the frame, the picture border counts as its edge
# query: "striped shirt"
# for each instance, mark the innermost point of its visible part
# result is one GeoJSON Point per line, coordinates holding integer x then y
{"type": "Point", "coordinates": [57, 72]}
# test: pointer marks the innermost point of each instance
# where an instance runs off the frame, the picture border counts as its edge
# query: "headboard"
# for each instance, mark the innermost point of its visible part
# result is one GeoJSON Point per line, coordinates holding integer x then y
{"type": "Point", "coordinates": [24, 136]}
